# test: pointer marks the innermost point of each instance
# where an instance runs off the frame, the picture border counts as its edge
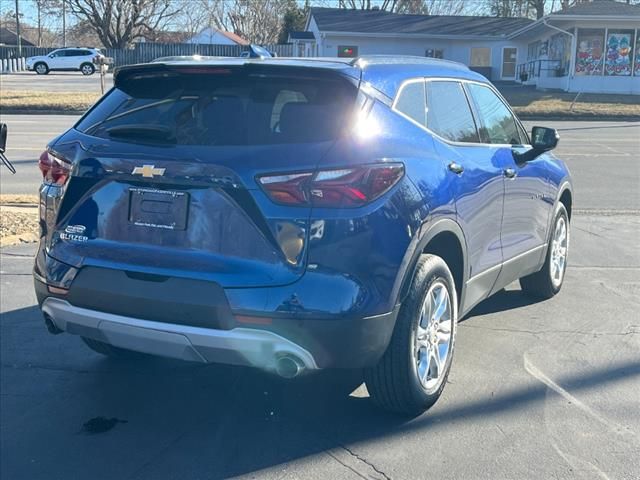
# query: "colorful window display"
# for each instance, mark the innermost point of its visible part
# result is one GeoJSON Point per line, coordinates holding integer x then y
{"type": "Point", "coordinates": [590, 49]}
{"type": "Point", "coordinates": [619, 56]}
{"type": "Point", "coordinates": [637, 62]}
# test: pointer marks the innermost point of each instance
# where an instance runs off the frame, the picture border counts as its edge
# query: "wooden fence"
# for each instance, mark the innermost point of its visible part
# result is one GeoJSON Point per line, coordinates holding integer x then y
{"type": "Point", "coordinates": [145, 52]}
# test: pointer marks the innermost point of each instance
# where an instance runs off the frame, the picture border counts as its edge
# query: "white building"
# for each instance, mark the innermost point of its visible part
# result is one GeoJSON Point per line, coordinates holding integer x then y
{"type": "Point", "coordinates": [591, 47]}
{"type": "Point", "coordinates": [560, 50]}
{"type": "Point", "coordinates": [213, 36]}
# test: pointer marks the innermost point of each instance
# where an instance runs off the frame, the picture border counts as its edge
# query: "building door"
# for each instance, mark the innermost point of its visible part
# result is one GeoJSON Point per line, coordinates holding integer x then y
{"type": "Point", "coordinates": [509, 58]}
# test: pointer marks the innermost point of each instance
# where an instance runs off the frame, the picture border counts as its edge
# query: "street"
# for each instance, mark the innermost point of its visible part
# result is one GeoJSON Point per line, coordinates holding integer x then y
{"type": "Point", "coordinates": [54, 82]}
{"type": "Point", "coordinates": [537, 390]}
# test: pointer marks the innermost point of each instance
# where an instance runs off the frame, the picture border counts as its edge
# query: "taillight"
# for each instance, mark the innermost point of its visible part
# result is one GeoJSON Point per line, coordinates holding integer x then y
{"type": "Point", "coordinates": [345, 187]}
{"type": "Point", "coordinates": [55, 170]}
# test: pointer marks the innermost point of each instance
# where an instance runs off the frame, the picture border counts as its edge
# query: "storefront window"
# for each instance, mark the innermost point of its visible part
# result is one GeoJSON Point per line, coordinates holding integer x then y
{"type": "Point", "coordinates": [619, 55]}
{"type": "Point", "coordinates": [637, 53]}
{"type": "Point", "coordinates": [589, 55]}
{"type": "Point", "coordinates": [532, 50]}
{"type": "Point", "coordinates": [559, 48]}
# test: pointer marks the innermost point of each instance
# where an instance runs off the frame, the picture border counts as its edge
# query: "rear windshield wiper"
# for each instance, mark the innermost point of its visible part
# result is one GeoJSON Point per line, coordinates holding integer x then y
{"type": "Point", "coordinates": [155, 133]}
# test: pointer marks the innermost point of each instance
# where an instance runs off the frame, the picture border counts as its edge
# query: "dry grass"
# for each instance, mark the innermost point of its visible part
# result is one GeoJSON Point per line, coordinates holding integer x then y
{"type": "Point", "coordinates": [18, 225]}
{"type": "Point", "coordinates": [18, 219]}
{"type": "Point", "coordinates": [9, 199]}
{"type": "Point", "coordinates": [528, 102]}
{"type": "Point", "coordinates": [25, 100]}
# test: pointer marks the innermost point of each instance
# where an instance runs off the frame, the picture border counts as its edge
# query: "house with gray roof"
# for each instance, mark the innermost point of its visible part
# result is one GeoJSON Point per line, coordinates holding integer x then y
{"type": "Point", "coordinates": [563, 50]}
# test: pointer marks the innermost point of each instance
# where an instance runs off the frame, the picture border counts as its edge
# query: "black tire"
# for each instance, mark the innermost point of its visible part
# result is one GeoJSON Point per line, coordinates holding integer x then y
{"type": "Point", "coordinates": [109, 350]}
{"type": "Point", "coordinates": [38, 68]}
{"type": "Point", "coordinates": [393, 384]}
{"type": "Point", "coordinates": [87, 69]}
{"type": "Point", "coordinates": [540, 284]}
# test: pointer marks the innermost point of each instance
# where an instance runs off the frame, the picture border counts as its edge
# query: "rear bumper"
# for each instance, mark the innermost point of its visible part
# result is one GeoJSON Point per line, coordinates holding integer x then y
{"type": "Point", "coordinates": [317, 342]}
{"type": "Point", "coordinates": [238, 346]}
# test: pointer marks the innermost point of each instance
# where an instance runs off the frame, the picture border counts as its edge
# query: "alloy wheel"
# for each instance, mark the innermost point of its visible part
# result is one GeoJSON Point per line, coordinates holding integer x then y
{"type": "Point", "coordinates": [559, 248]}
{"type": "Point", "coordinates": [433, 336]}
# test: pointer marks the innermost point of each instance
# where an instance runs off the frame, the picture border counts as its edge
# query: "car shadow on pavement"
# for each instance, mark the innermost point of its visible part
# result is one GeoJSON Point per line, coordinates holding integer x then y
{"type": "Point", "coordinates": [502, 301]}
{"type": "Point", "coordinates": [173, 419]}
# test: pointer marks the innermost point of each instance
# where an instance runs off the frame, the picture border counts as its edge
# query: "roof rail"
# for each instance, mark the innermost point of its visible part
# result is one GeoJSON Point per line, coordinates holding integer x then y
{"type": "Point", "coordinates": [400, 59]}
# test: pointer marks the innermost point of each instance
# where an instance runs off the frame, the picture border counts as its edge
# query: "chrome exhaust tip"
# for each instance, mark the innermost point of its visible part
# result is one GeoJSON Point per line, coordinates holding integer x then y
{"type": "Point", "coordinates": [289, 366]}
{"type": "Point", "coordinates": [48, 321]}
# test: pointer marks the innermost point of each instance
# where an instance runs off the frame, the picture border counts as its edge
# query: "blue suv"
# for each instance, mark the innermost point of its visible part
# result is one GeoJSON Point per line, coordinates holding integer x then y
{"type": "Point", "coordinates": [298, 214]}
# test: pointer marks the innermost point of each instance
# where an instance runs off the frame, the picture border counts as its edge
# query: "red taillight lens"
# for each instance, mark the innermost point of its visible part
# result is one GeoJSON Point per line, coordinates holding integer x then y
{"type": "Point", "coordinates": [54, 169]}
{"type": "Point", "coordinates": [347, 187]}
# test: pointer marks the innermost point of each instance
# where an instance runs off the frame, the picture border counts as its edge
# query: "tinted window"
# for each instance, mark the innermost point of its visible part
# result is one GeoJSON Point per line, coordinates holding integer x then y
{"type": "Point", "coordinates": [449, 114]}
{"type": "Point", "coordinates": [411, 101]}
{"type": "Point", "coordinates": [497, 124]}
{"type": "Point", "coordinates": [229, 108]}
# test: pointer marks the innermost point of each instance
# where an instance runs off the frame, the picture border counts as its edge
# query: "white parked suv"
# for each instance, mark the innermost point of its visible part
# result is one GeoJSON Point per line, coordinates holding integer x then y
{"type": "Point", "coordinates": [74, 59]}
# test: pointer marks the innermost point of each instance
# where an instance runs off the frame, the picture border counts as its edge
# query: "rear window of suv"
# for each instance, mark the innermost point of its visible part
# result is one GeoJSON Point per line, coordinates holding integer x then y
{"type": "Point", "coordinates": [225, 108]}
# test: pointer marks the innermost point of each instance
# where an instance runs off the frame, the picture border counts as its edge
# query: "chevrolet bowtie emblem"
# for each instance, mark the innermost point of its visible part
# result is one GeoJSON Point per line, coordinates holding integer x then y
{"type": "Point", "coordinates": [148, 171]}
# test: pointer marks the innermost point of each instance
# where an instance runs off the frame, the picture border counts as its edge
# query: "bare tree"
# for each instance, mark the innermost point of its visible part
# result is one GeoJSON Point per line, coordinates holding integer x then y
{"type": "Point", "coordinates": [192, 16]}
{"type": "Point", "coordinates": [118, 22]}
{"type": "Point", "coordinates": [538, 7]}
{"type": "Point", "coordinates": [258, 21]}
{"type": "Point", "coordinates": [46, 12]}
{"type": "Point", "coordinates": [396, 6]}
{"type": "Point", "coordinates": [446, 7]}
{"type": "Point", "coordinates": [424, 7]}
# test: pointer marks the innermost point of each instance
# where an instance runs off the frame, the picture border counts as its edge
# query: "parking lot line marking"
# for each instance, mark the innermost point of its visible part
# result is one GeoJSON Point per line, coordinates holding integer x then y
{"type": "Point", "coordinates": [536, 373]}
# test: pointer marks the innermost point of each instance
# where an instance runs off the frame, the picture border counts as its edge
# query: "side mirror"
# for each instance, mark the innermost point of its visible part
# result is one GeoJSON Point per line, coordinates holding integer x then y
{"type": "Point", "coordinates": [3, 137]}
{"type": "Point", "coordinates": [3, 147]}
{"type": "Point", "coordinates": [543, 139]}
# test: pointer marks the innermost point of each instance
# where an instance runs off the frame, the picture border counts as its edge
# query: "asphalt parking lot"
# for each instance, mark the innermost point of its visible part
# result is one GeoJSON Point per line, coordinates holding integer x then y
{"type": "Point", "coordinates": [538, 389]}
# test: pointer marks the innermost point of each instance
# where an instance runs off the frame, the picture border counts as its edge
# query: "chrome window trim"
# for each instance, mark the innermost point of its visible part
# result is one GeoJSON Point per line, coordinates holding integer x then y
{"type": "Point", "coordinates": [403, 85]}
{"type": "Point", "coordinates": [462, 81]}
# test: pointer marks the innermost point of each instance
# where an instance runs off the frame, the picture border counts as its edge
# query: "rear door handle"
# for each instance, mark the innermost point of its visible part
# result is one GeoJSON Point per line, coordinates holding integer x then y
{"type": "Point", "coordinates": [510, 173]}
{"type": "Point", "coordinates": [456, 168]}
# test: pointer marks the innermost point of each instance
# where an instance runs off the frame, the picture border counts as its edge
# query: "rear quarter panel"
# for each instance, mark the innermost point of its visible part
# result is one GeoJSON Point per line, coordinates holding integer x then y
{"type": "Point", "coordinates": [375, 245]}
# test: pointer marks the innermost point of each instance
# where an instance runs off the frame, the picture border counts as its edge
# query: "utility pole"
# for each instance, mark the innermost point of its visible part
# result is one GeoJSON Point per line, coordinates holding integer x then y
{"type": "Point", "coordinates": [18, 29]}
{"type": "Point", "coordinates": [64, 23]}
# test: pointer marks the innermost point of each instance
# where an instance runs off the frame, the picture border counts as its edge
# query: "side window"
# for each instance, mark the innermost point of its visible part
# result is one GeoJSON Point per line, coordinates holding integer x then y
{"type": "Point", "coordinates": [448, 113]}
{"type": "Point", "coordinates": [497, 122]}
{"type": "Point", "coordinates": [411, 102]}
